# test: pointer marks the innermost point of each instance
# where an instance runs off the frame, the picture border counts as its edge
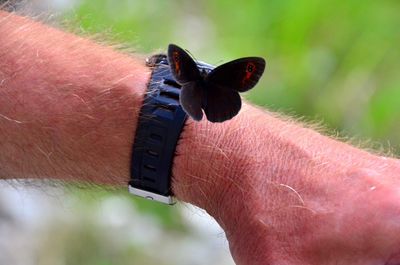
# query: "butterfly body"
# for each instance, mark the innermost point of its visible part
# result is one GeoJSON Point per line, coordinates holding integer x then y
{"type": "Point", "coordinates": [215, 91]}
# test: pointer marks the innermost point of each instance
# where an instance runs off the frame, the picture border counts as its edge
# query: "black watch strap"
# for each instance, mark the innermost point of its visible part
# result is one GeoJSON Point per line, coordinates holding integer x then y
{"type": "Point", "coordinates": [159, 127]}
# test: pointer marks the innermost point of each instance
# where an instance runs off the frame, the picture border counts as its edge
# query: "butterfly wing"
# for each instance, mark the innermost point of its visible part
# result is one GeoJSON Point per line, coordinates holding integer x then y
{"type": "Point", "coordinates": [191, 100]}
{"type": "Point", "coordinates": [222, 103]}
{"type": "Point", "coordinates": [223, 84]}
{"type": "Point", "coordinates": [240, 75]}
{"type": "Point", "coordinates": [183, 67]}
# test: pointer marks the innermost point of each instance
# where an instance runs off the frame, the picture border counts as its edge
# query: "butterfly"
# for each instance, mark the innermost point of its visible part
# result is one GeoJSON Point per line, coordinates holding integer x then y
{"type": "Point", "coordinates": [217, 91]}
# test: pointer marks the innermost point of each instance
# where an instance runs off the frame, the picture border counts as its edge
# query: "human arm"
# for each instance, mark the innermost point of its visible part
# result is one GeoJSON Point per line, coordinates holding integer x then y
{"type": "Point", "coordinates": [68, 107]}
{"type": "Point", "coordinates": [283, 193]}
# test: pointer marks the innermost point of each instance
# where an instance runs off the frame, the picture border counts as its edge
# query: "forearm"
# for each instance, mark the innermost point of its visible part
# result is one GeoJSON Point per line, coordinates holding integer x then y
{"type": "Point", "coordinates": [68, 107]}
{"type": "Point", "coordinates": [68, 110]}
{"type": "Point", "coordinates": [258, 149]}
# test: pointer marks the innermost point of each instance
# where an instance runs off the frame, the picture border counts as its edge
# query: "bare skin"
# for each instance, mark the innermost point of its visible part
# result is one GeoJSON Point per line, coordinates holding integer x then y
{"type": "Point", "coordinates": [284, 193]}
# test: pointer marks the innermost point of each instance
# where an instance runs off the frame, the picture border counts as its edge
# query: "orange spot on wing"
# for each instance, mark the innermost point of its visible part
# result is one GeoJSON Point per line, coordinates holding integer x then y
{"type": "Point", "coordinates": [250, 68]}
{"type": "Point", "coordinates": [176, 62]}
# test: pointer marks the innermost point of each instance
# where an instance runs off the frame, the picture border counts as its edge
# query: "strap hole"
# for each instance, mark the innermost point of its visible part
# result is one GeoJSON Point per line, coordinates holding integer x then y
{"type": "Point", "coordinates": [152, 153]}
{"type": "Point", "coordinates": [156, 137]}
{"type": "Point", "coordinates": [166, 108]}
{"type": "Point", "coordinates": [150, 167]}
{"type": "Point", "coordinates": [169, 95]}
{"type": "Point", "coordinates": [171, 83]}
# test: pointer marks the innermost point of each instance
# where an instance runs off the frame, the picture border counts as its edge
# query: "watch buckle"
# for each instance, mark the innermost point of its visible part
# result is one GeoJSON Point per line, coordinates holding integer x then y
{"type": "Point", "coordinates": [152, 196]}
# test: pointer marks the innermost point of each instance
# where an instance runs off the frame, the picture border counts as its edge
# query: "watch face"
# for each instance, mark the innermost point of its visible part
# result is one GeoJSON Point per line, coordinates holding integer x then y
{"type": "Point", "coordinates": [217, 92]}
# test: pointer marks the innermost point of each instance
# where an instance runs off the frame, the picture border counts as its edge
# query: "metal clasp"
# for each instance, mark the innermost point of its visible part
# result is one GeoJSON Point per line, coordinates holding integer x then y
{"type": "Point", "coordinates": [152, 196]}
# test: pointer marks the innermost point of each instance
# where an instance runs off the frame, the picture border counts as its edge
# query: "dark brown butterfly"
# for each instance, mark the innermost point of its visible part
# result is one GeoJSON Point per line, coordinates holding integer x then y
{"type": "Point", "coordinates": [215, 92]}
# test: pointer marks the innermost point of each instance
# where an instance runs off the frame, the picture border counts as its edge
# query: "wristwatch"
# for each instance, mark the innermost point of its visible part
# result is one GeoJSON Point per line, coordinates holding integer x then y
{"type": "Point", "coordinates": [160, 124]}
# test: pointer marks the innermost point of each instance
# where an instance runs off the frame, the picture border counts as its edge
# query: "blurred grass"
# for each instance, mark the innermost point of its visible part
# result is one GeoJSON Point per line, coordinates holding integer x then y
{"type": "Point", "coordinates": [169, 218]}
{"type": "Point", "coordinates": [335, 61]}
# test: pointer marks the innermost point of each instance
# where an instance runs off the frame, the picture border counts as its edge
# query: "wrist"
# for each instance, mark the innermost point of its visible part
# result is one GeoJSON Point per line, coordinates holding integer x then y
{"type": "Point", "coordinates": [223, 168]}
{"type": "Point", "coordinates": [269, 182]}
{"type": "Point", "coordinates": [218, 166]}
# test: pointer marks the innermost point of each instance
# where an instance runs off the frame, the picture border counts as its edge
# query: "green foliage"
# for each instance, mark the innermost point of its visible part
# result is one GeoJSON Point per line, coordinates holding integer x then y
{"type": "Point", "coordinates": [169, 217]}
{"type": "Point", "coordinates": [335, 60]}
{"type": "Point", "coordinates": [88, 243]}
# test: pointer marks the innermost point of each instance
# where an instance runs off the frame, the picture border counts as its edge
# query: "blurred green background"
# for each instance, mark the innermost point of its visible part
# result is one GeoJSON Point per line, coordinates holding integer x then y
{"type": "Point", "coordinates": [335, 62]}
